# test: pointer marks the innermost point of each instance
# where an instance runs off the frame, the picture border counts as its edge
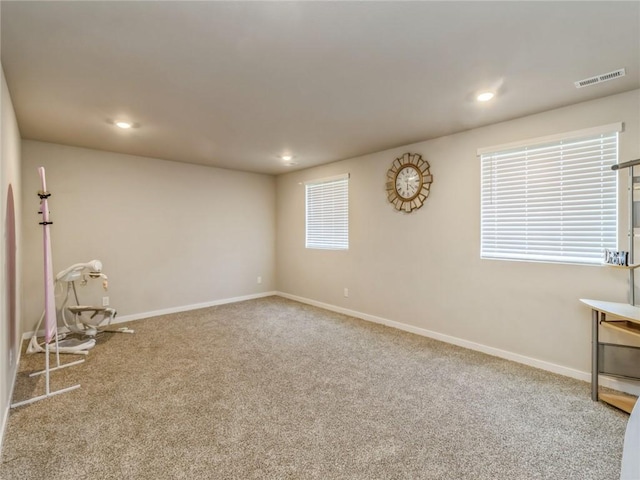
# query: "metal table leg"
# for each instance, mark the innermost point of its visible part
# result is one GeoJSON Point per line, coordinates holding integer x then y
{"type": "Point", "coordinates": [595, 320]}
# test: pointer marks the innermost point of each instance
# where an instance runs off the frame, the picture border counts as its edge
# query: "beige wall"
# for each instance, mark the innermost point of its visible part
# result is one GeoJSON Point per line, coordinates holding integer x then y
{"type": "Point", "coordinates": [169, 234]}
{"type": "Point", "coordinates": [424, 269]}
{"type": "Point", "coordinates": [9, 175]}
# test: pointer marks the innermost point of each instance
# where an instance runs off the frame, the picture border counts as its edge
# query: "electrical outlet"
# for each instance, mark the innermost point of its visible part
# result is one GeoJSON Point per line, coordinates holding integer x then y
{"type": "Point", "coordinates": [346, 292]}
{"type": "Point", "coordinates": [105, 301]}
{"type": "Point", "coordinates": [259, 279]}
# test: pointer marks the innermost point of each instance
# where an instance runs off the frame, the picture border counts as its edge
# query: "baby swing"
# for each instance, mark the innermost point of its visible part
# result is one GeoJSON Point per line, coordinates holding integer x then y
{"type": "Point", "coordinates": [87, 321]}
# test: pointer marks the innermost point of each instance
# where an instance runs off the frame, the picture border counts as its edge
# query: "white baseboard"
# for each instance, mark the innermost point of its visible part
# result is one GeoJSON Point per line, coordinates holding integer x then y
{"type": "Point", "coordinates": [620, 385]}
{"type": "Point", "coordinates": [166, 311]}
{"type": "Point", "coordinates": [186, 308]}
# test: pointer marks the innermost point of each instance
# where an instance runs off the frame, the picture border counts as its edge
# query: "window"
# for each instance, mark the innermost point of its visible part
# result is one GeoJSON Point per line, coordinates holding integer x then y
{"type": "Point", "coordinates": [552, 199]}
{"type": "Point", "coordinates": [327, 214]}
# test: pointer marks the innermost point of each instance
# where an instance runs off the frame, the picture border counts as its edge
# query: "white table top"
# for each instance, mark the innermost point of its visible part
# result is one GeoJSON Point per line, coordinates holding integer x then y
{"type": "Point", "coordinates": [620, 310]}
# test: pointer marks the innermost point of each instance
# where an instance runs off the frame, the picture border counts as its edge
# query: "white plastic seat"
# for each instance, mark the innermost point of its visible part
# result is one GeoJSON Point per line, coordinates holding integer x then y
{"type": "Point", "coordinates": [631, 451]}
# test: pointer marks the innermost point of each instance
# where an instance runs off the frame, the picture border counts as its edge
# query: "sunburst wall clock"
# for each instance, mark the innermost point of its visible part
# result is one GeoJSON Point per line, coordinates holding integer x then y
{"type": "Point", "coordinates": [408, 182]}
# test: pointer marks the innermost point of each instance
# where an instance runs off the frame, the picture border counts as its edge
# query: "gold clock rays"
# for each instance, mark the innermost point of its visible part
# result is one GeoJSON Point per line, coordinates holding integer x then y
{"type": "Point", "coordinates": [408, 182]}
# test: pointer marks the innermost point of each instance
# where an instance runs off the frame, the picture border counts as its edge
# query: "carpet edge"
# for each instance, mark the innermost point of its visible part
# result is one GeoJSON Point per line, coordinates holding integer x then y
{"type": "Point", "coordinates": [460, 342]}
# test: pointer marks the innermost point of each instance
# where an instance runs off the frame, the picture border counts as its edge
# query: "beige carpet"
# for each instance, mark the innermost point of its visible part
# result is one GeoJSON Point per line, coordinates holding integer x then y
{"type": "Point", "coordinates": [274, 389]}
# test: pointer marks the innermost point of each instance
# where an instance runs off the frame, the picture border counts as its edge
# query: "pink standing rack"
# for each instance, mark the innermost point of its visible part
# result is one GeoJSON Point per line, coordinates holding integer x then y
{"type": "Point", "coordinates": [50, 319]}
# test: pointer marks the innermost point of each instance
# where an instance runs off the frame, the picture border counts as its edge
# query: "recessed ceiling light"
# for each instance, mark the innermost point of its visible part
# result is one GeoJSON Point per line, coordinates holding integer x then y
{"type": "Point", "coordinates": [485, 96]}
{"type": "Point", "coordinates": [123, 125]}
{"type": "Point", "coordinates": [286, 158]}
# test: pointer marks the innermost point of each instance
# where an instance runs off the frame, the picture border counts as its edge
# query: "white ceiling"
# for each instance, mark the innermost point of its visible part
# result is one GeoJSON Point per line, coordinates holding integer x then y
{"type": "Point", "coordinates": [236, 84]}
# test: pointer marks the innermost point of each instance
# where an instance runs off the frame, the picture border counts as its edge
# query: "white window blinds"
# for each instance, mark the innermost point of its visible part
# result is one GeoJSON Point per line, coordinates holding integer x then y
{"type": "Point", "coordinates": [327, 213]}
{"type": "Point", "coordinates": [551, 202]}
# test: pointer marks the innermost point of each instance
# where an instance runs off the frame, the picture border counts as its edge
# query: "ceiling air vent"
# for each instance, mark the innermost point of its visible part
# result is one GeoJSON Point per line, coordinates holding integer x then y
{"type": "Point", "coordinates": [600, 78]}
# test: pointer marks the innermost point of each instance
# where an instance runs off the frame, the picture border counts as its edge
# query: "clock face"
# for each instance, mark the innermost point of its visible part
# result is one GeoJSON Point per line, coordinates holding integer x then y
{"type": "Point", "coordinates": [408, 182]}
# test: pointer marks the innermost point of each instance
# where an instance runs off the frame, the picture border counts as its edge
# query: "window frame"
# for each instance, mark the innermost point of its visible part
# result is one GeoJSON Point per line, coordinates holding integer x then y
{"type": "Point", "coordinates": [329, 228]}
{"type": "Point", "coordinates": [549, 237]}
